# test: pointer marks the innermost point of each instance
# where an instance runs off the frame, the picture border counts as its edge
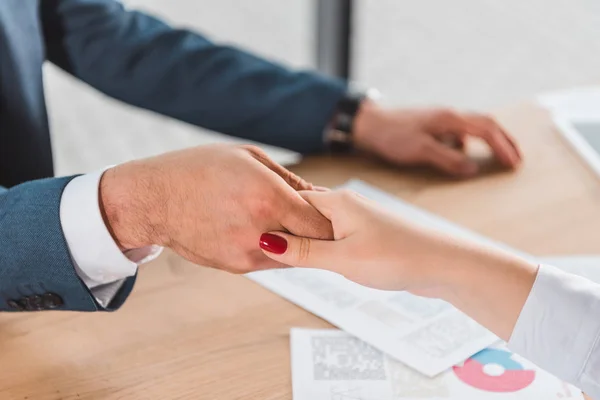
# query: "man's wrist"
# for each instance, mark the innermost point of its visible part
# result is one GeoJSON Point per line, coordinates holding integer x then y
{"type": "Point", "coordinates": [96, 256]}
{"type": "Point", "coordinates": [368, 117]}
{"type": "Point", "coordinates": [340, 135]}
{"type": "Point", "coordinates": [128, 206]}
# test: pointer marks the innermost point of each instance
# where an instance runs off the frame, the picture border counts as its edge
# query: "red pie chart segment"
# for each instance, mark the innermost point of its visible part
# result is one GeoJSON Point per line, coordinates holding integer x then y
{"type": "Point", "coordinates": [513, 376]}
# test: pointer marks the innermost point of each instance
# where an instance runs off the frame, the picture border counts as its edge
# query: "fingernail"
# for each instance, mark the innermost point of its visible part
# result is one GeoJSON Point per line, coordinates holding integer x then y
{"type": "Point", "coordinates": [273, 243]}
{"type": "Point", "coordinates": [321, 189]}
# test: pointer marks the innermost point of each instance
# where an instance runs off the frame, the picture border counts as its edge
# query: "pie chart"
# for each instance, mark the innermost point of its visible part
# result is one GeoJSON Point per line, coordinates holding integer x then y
{"type": "Point", "coordinates": [494, 370]}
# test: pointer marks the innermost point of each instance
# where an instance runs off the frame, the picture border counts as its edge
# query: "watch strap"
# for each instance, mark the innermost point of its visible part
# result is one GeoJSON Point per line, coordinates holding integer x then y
{"type": "Point", "coordinates": [339, 134]}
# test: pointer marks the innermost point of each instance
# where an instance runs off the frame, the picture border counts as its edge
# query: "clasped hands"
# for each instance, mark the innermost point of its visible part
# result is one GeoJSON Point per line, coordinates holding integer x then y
{"type": "Point", "coordinates": [213, 204]}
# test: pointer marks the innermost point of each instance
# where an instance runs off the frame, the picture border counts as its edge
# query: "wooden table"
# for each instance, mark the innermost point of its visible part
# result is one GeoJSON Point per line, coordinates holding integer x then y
{"type": "Point", "coordinates": [195, 333]}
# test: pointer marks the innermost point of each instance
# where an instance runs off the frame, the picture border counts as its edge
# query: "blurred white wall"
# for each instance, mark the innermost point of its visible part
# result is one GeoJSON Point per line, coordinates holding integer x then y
{"type": "Point", "coordinates": [476, 53]}
{"type": "Point", "coordinates": [469, 53]}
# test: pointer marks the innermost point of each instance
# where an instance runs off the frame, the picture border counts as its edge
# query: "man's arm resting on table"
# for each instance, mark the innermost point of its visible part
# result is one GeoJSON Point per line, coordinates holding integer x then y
{"type": "Point", "coordinates": [37, 268]}
{"type": "Point", "coordinates": [141, 60]}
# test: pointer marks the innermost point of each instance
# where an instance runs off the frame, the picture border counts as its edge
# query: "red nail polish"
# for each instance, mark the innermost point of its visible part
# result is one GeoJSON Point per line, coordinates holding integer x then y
{"type": "Point", "coordinates": [273, 243]}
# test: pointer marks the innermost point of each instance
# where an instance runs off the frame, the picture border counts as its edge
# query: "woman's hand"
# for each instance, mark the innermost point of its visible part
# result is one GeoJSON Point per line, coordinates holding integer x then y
{"type": "Point", "coordinates": [377, 249]}
{"type": "Point", "coordinates": [371, 247]}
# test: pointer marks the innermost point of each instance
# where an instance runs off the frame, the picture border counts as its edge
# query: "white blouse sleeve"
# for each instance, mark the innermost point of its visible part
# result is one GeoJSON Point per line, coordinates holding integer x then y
{"type": "Point", "coordinates": [559, 328]}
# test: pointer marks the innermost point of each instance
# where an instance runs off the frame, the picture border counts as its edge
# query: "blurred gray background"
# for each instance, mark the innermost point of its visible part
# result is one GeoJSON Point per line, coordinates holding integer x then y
{"type": "Point", "coordinates": [476, 54]}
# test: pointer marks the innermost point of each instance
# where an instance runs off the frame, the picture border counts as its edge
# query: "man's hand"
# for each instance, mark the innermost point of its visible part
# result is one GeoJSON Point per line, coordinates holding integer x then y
{"type": "Point", "coordinates": [210, 204]}
{"type": "Point", "coordinates": [433, 137]}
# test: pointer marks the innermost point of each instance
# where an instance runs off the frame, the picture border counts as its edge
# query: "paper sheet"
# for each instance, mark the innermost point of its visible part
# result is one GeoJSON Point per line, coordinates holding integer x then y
{"type": "Point", "coordinates": [426, 334]}
{"type": "Point", "coordinates": [285, 157]}
{"type": "Point", "coordinates": [334, 365]}
{"type": "Point", "coordinates": [581, 102]}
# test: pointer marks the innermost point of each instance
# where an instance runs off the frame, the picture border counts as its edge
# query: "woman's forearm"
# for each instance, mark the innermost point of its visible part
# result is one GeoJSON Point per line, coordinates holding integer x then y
{"type": "Point", "coordinates": [546, 315]}
{"type": "Point", "coordinates": [488, 285]}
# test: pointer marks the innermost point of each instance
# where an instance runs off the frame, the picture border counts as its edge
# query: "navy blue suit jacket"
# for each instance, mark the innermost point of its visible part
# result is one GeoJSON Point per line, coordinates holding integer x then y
{"type": "Point", "coordinates": [142, 61]}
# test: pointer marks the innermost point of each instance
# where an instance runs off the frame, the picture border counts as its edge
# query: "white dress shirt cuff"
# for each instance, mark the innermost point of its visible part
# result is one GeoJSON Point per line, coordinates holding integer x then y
{"type": "Point", "coordinates": [558, 327]}
{"type": "Point", "coordinates": [99, 262]}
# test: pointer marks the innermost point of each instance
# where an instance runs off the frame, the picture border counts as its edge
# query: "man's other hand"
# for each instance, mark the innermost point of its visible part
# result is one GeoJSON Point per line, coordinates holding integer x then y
{"type": "Point", "coordinates": [210, 204]}
{"type": "Point", "coordinates": [434, 137]}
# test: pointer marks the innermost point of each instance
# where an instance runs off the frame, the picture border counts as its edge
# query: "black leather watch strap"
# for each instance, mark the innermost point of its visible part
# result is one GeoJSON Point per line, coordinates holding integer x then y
{"type": "Point", "coordinates": [339, 135]}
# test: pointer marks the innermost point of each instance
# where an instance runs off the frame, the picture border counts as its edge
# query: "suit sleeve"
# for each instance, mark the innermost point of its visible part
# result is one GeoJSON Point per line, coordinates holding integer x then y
{"type": "Point", "coordinates": [36, 268]}
{"type": "Point", "coordinates": [142, 61]}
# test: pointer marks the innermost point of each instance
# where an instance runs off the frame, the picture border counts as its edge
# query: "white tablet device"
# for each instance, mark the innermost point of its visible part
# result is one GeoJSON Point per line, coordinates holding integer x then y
{"type": "Point", "coordinates": [583, 133]}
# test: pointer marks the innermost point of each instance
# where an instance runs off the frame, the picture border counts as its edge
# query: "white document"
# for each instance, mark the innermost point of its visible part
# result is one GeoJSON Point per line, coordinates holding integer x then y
{"type": "Point", "coordinates": [334, 365]}
{"type": "Point", "coordinates": [583, 101]}
{"type": "Point", "coordinates": [285, 157]}
{"type": "Point", "coordinates": [428, 335]}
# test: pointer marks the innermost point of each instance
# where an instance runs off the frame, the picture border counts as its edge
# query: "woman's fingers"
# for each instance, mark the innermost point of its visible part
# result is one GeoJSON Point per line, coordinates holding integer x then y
{"type": "Point", "coordinates": [323, 202]}
{"type": "Point", "coordinates": [327, 202]}
{"type": "Point", "coordinates": [300, 218]}
{"type": "Point", "coordinates": [298, 251]}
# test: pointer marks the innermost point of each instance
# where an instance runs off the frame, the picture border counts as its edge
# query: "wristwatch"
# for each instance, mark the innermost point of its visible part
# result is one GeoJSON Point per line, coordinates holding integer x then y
{"type": "Point", "coordinates": [339, 134]}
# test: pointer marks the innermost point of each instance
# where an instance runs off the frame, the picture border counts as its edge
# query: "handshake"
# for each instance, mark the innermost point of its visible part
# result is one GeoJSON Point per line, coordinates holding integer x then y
{"type": "Point", "coordinates": [235, 209]}
{"type": "Point", "coordinates": [210, 204]}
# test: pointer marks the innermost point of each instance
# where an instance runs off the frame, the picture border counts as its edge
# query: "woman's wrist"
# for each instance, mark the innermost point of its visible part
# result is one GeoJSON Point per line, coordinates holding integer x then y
{"type": "Point", "coordinates": [489, 285]}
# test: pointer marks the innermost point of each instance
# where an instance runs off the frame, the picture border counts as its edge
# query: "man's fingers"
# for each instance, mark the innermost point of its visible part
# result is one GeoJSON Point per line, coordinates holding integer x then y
{"type": "Point", "coordinates": [513, 143]}
{"type": "Point", "coordinates": [291, 179]}
{"type": "Point", "coordinates": [298, 251]}
{"type": "Point", "coordinates": [453, 140]}
{"type": "Point", "coordinates": [503, 146]}
{"type": "Point", "coordinates": [303, 219]}
{"type": "Point", "coordinates": [451, 161]}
